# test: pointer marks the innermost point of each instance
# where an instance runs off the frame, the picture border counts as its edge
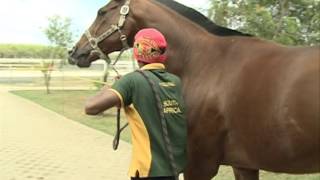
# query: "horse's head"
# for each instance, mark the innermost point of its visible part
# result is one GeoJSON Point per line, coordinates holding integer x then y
{"type": "Point", "coordinates": [112, 30]}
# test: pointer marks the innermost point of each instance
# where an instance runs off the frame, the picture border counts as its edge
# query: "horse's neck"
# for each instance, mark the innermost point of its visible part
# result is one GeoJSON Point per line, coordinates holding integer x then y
{"type": "Point", "coordinates": [184, 37]}
{"type": "Point", "coordinates": [183, 44]}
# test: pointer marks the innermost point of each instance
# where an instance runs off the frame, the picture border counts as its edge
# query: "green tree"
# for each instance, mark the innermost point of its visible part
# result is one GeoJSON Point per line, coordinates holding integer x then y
{"type": "Point", "coordinates": [290, 22]}
{"type": "Point", "coordinates": [59, 31]}
{"type": "Point", "coordinates": [61, 37]}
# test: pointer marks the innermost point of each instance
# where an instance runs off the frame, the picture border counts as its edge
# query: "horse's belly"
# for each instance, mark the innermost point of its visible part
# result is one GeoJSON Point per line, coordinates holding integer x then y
{"type": "Point", "coordinates": [274, 122]}
{"type": "Point", "coordinates": [280, 147]}
{"type": "Point", "coordinates": [278, 155]}
{"type": "Point", "coordinates": [288, 144]}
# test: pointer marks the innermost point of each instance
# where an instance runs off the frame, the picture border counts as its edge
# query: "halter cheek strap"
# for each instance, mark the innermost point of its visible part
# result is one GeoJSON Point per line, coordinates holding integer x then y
{"type": "Point", "coordinates": [94, 42]}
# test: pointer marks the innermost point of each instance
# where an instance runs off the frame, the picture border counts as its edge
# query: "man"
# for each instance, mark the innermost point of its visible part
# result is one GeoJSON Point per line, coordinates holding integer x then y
{"type": "Point", "coordinates": [133, 92]}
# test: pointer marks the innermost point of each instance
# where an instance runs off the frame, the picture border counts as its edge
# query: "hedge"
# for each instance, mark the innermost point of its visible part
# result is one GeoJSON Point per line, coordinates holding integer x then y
{"type": "Point", "coordinates": [31, 51]}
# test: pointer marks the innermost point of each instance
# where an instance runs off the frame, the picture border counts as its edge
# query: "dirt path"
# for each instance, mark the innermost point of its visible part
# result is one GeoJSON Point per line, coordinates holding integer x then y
{"type": "Point", "coordinates": [38, 144]}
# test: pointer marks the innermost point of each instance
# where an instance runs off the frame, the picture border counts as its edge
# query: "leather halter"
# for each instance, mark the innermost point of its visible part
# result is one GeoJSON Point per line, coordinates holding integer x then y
{"type": "Point", "coordinates": [94, 42]}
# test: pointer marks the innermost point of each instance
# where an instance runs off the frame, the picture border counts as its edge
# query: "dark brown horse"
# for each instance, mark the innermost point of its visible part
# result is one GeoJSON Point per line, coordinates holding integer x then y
{"type": "Point", "coordinates": [252, 104]}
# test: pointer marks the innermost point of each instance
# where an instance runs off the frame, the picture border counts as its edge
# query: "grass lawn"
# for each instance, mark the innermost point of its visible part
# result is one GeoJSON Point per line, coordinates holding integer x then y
{"type": "Point", "coordinates": [70, 104]}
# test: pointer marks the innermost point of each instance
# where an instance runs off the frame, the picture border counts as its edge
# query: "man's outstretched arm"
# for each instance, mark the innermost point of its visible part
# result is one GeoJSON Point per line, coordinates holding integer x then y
{"type": "Point", "coordinates": [102, 101]}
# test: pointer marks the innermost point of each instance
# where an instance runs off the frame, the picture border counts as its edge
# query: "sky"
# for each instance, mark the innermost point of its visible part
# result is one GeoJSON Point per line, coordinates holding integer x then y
{"type": "Point", "coordinates": [23, 21]}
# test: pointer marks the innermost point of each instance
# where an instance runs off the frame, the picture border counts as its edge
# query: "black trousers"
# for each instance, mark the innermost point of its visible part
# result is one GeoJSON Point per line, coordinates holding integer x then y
{"type": "Point", "coordinates": [155, 178]}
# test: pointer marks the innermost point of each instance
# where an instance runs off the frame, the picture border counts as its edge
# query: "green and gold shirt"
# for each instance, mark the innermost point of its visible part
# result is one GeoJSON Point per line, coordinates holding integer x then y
{"type": "Point", "coordinates": [149, 156]}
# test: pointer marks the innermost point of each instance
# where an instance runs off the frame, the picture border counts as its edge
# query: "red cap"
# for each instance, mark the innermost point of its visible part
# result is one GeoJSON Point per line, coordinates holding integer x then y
{"type": "Point", "coordinates": [149, 46]}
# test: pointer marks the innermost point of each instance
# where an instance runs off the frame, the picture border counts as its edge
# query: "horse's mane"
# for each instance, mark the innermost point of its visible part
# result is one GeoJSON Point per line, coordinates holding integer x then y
{"type": "Point", "coordinates": [200, 19]}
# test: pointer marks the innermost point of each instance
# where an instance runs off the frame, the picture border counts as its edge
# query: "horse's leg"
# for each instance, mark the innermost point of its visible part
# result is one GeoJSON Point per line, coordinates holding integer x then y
{"type": "Point", "coordinates": [205, 150]}
{"type": "Point", "coordinates": [201, 166]}
{"type": "Point", "coordinates": [245, 174]}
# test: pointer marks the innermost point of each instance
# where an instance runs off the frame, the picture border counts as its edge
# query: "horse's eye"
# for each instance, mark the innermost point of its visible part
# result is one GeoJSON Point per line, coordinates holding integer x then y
{"type": "Point", "coordinates": [101, 12]}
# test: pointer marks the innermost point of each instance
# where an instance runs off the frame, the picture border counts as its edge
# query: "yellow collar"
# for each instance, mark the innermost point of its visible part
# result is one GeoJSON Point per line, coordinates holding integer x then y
{"type": "Point", "coordinates": [153, 66]}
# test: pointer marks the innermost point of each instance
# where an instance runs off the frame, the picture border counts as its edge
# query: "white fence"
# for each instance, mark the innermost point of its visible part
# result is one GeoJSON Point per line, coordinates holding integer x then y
{"type": "Point", "coordinates": [29, 71]}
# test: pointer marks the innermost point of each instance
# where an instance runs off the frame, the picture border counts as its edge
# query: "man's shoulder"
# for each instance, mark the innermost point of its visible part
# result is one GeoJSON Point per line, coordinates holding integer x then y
{"type": "Point", "coordinates": [132, 75]}
{"type": "Point", "coordinates": [131, 79]}
{"type": "Point", "coordinates": [174, 77]}
{"type": "Point", "coordinates": [136, 76]}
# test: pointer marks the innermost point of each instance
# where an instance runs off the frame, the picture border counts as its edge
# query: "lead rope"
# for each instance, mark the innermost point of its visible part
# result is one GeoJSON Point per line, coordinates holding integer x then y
{"type": "Point", "coordinates": [116, 139]}
{"type": "Point", "coordinates": [164, 125]}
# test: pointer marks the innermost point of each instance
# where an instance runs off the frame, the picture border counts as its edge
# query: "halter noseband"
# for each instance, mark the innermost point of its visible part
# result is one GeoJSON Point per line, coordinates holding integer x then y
{"type": "Point", "coordinates": [94, 42]}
